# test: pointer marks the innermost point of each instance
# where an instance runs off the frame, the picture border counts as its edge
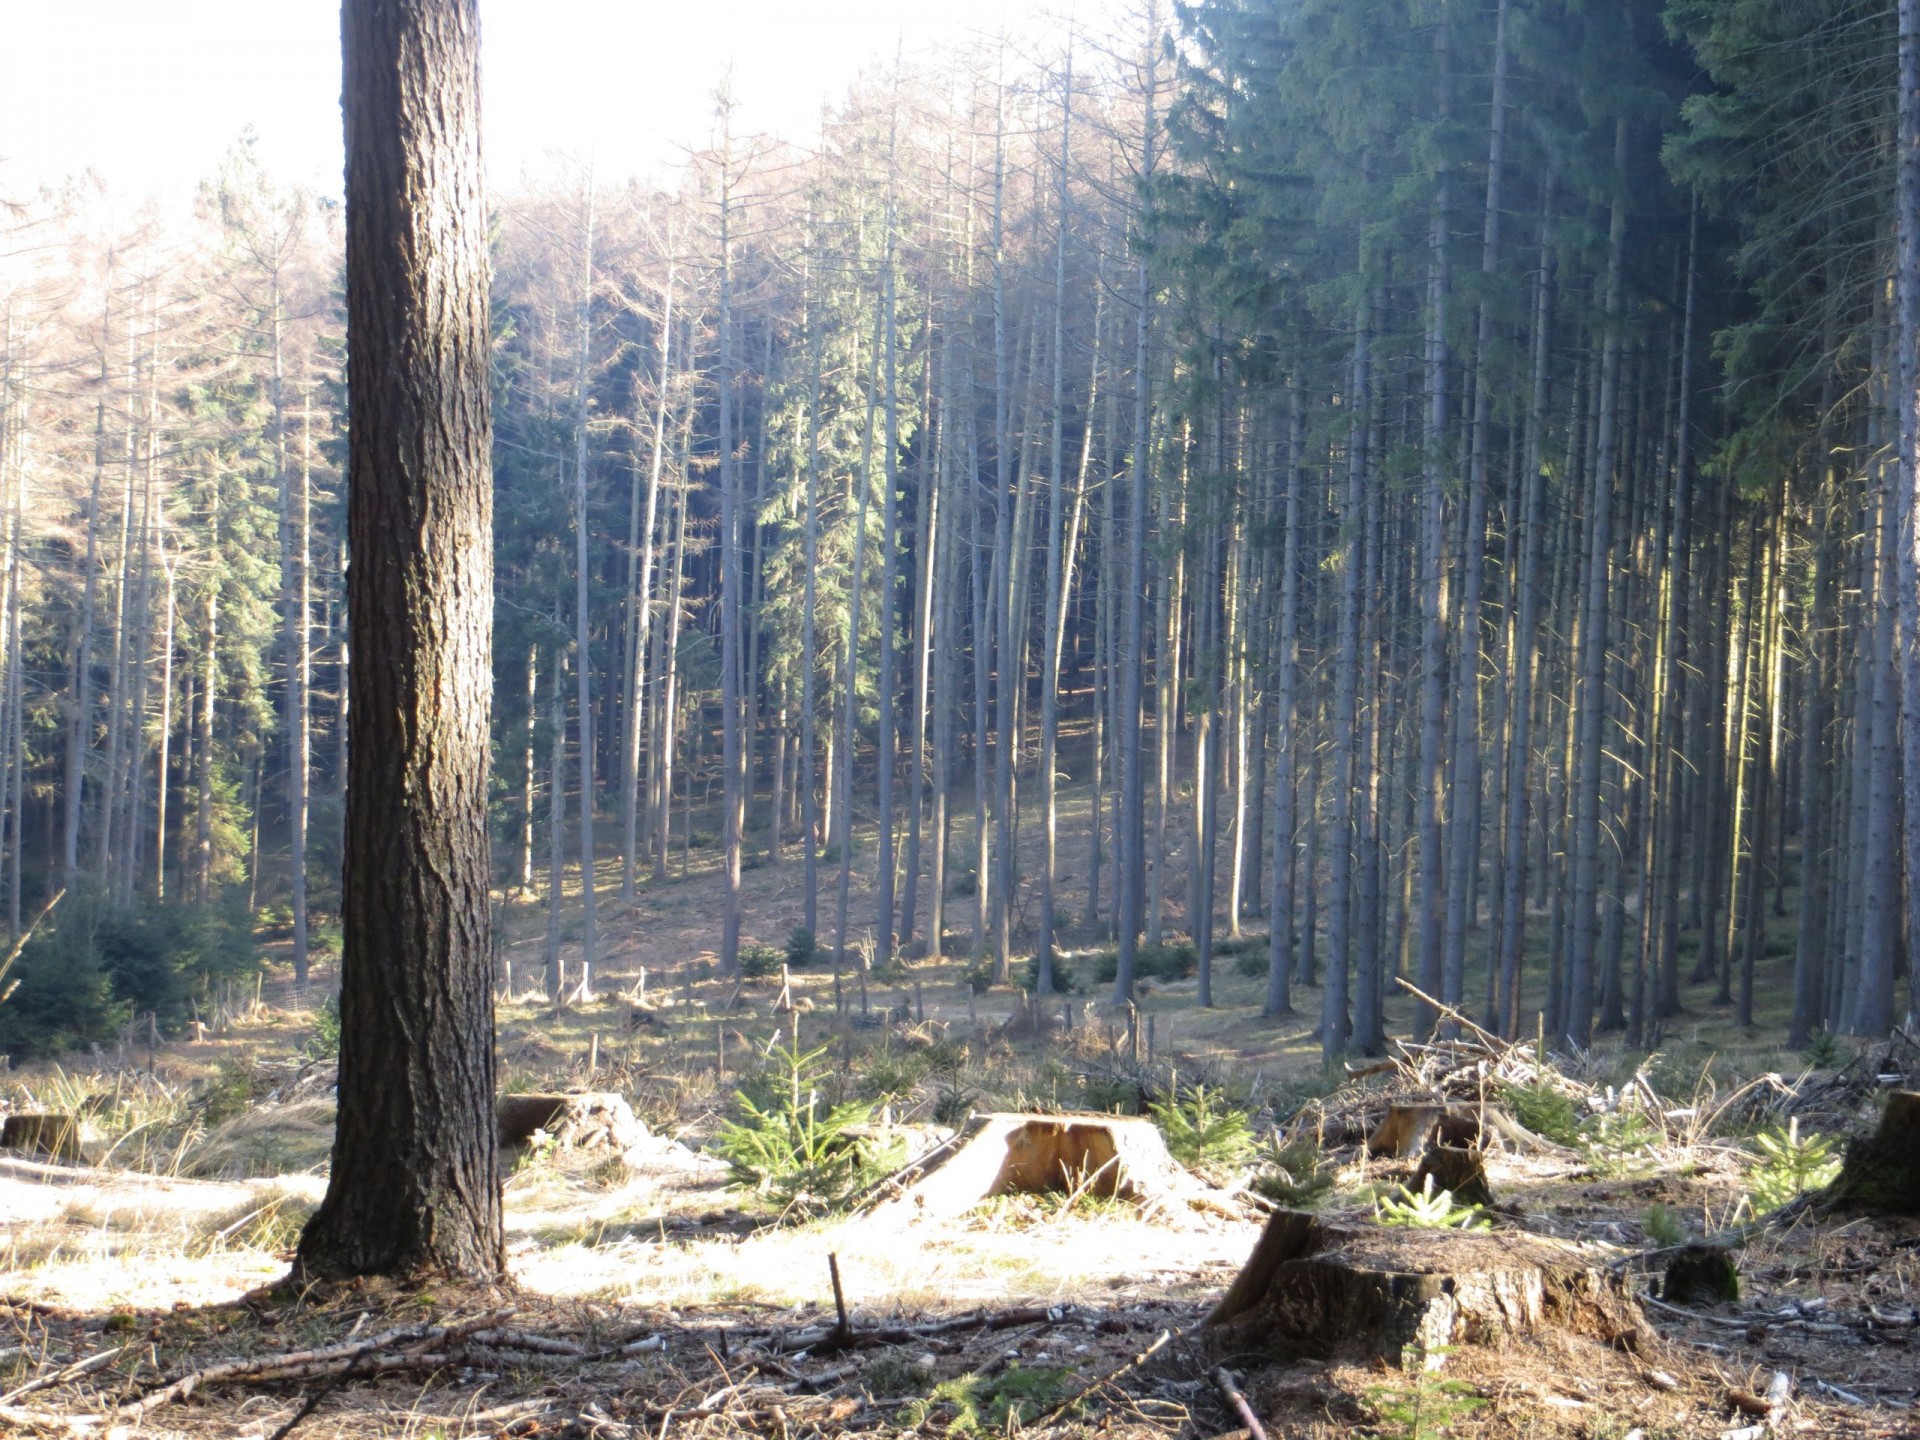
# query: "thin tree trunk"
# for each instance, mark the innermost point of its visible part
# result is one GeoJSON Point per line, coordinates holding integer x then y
{"type": "Point", "coordinates": [1593, 634]}
{"type": "Point", "coordinates": [1129, 822]}
{"type": "Point", "coordinates": [642, 519]}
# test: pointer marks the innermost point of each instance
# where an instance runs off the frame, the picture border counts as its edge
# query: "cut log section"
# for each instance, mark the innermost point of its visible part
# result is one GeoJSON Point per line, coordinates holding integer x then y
{"type": "Point", "coordinates": [1326, 1288]}
{"type": "Point", "coordinates": [1881, 1171]}
{"type": "Point", "coordinates": [1112, 1156]}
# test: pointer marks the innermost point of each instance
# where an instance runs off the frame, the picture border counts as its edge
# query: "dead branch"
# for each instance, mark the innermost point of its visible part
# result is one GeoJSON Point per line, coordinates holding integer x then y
{"type": "Point", "coordinates": [909, 1334]}
{"type": "Point", "coordinates": [1160, 1342]}
{"type": "Point", "coordinates": [62, 1375]}
{"type": "Point", "coordinates": [1237, 1400]}
{"type": "Point", "coordinates": [424, 1346]}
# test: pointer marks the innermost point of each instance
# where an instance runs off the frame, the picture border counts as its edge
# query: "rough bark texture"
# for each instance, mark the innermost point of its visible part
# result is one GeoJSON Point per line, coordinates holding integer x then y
{"type": "Point", "coordinates": [1317, 1287]}
{"type": "Point", "coordinates": [415, 1184]}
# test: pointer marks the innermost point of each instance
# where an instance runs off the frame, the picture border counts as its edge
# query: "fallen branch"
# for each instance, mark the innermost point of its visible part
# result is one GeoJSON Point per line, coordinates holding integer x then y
{"type": "Point", "coordinates": [62, 1375]}
{"type": "Point", "coordinates": [1682, 1314]}
{"type": "Point", "coordinates": [522, 1340]}
{"type": "Point", "coordinates": [1237, 1400]}
{"type": "Point", "coordinates": [909, 1334]}
{"type": "Point", "coordinates": [425, 1346]}
{"type": "Point", "coordinates": [1846, 1397]}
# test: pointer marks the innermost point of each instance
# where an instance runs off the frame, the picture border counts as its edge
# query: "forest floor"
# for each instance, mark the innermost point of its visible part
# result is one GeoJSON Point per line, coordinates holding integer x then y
{"type": "Point", "coordinates": [652, 1298]}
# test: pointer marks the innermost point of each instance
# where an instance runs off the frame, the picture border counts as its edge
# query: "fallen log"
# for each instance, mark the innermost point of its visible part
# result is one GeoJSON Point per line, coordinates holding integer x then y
{"type": "Point", "coordinates": [1324, 1287]}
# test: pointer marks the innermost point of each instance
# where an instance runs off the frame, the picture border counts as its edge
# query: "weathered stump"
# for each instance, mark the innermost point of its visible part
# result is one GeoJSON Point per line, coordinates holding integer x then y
{"type": "Point", "coordinates": [55, 1136]}
{"type": "Point", "coordinates": [1701, 1275]}
{"type": "Point", "coordinates": [1325, 1288]}
{"type": "Point", "coordinates": [1407, 1127]}
{"type": "Point", "coordinates": [1460, 1169]}
{"type": "Point", "coordinates": [1881, 1171]}
{"type": "Point", "coordinates": [591, 1121]}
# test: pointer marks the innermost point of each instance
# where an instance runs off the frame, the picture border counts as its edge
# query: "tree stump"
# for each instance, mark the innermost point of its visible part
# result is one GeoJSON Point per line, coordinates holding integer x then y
{"type": "Point", "coordinates": [1112, 1156]}
{"type": "Point", "coordinates": [1407, 1127]}
{"type": "Point", "coordinates": [1881, 1171]}
{"type": "Point", "coordinates": [1461, 1169]}
{"type": "Point", "coordinates": [591, 1121]}
{"type": "Point", "coordinates": [1325, 1288]}
{"type": "Point", "coordinates": [55, 1136]}
{"type": "Point", "coordinates": [1701, 1275]}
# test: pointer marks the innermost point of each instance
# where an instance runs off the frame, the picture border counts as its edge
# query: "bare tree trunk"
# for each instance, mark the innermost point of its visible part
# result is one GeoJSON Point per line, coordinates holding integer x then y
{"type": "Point", "coordinates": [556, 831]}
{"type": "Point", "coordinates": [1676, 679]}
{"type": "Point", "coordinates": [1010, 673]}
{"type": "Point", "coordinates": [1464, 827]}
{"type": "Point", "coordinates": [1129, 821]}
{"type": "Point", "coordinates": [1280, 957]}
{"type": "Point", "coordinates": [209, 697]}
{"type": "Point", "coordinates": [843, 796]}
{"type": "Point", "coordinates": [643, 519]}
{"type": "Point", "coordinates": [1523, 660]}
{"type": "Point", "coordinates": [884, 747]}
{"type": "Point", "coordinates": [299, 679]}
{"type": "Point", "coordinates": [1433, 585]}
{"type": "Point", "coordinates": [80, 718]}
{"type": "Point", "coordinates": [1337, 1023]}
{"type": "Point", "coordinates": [415, 1182]}
{"type": "Point", "coordinates": [809, 643]}
{"type": "Point", "coordinates": [732, 756]}
{"type": "Point", "coordinates": [927, 543]}
{"type": "Point", "coordinates": [1578, 1028]}
{"type": "Point", "coordinates": [163, 766]}
{"type": "Point", "coordinates": [1906, 336]}
{"type": "Point", "coordinates": [582, 618]}
{"type": "Point", "coordinates": [1059, 576]}
{"type": "Point", "coordinates": [667, 733]}
{"type": "Point", "coordinates": [1871, 1006]}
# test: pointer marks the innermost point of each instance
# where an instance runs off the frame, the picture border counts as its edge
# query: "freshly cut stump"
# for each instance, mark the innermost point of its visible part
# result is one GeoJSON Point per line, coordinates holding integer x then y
{"type": "Point", "coordinates": [1326, 1288]}
{"type": "Point", "coordinates": [1881, 1171]}
{"type": "Point", "coordinates": [1116, 1157]}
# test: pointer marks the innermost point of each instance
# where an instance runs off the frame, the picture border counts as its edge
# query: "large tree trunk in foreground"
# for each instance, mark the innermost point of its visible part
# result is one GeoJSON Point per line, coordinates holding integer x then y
{"type": "Point", "coordinates": [415, 1185]}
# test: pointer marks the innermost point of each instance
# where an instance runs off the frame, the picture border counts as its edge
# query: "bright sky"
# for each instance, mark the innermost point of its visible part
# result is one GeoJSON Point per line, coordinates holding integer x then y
{"type": "Point", "coordinates": [150, 92]}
